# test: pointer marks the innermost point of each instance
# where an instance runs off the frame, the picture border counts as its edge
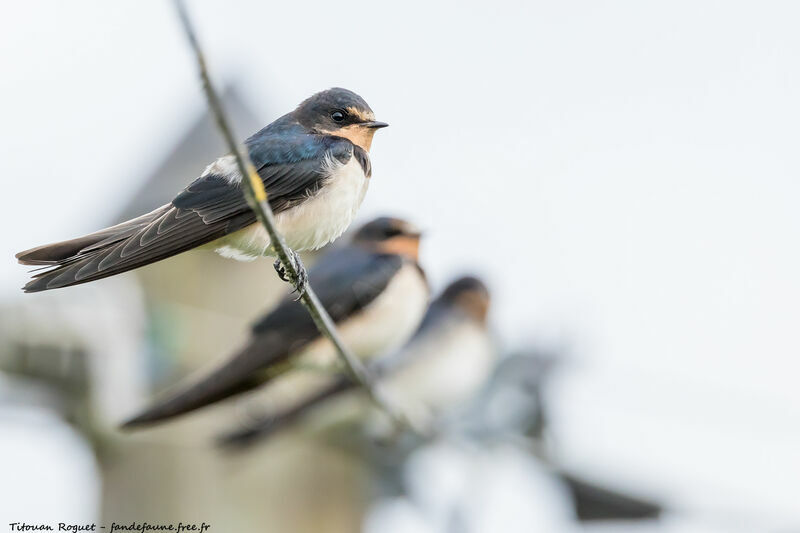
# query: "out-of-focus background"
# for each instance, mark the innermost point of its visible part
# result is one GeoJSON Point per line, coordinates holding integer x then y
{"type": "Point", "coordinates": [622, 174]}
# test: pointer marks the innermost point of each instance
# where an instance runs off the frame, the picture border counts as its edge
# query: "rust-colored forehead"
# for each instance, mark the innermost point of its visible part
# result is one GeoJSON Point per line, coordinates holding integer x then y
{"type": "Point", "coordinates": [363, 115]}
{"type": "Point", "coordinates": [401, 245]}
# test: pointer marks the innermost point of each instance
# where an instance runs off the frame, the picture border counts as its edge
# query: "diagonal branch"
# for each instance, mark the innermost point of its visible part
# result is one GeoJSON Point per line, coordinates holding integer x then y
{"type": "Point", "coordinates": [256, 196]}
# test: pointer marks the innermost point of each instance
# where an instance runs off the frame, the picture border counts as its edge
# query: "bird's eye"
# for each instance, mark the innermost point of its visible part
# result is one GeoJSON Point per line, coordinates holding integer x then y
{"type": "Point", "coordinates": [337, 116]}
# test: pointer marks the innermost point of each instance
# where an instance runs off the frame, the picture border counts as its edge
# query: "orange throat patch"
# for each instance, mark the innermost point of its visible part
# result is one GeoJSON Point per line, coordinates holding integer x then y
{"type": "Point", "coordinates": [357, 134]}
{"type": "Point", "coordinates": [407, 246]}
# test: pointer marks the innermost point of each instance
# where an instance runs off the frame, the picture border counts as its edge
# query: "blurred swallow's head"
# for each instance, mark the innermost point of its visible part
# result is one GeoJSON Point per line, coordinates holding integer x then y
{"type": "Point", "coordinates": [342, 113]}
{"type": "Point", "coordinates": [391, 236]}
{"type": "Point", "coordinates": [470, 295]}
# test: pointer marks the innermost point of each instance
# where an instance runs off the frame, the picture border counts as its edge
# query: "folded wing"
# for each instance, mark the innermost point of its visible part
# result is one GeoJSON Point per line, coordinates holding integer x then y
{"type": "Point", "coordinates": [211, 207]}
{"type": "Point", "coordinates": [347, 280]}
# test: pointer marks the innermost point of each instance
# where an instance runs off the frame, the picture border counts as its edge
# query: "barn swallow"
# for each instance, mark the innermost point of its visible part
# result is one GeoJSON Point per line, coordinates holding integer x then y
{"type": "Point", "coordinates": [373, 289]}
{"type": "Point", "coordinates": [314, 163]}
{"type": "Point", "coordinates": [445, 363]}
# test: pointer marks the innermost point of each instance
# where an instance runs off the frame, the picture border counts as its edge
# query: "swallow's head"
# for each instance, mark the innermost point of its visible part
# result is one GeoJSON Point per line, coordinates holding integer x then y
{"type": "Point", "coordinates": [391, 236]}
{"type": "Point", "coordinates": [342, 113]}
{"type": "Point", "coordinates": [470, 295]}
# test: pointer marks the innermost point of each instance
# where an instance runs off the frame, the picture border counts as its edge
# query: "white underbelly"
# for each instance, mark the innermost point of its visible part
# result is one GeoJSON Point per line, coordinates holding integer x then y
{"type": "Point", "coordinates": [383, 326]}
{"type": "Point", "coordinates": [308, 225]}
{"type": "Point", "coordinates": [444, 368]}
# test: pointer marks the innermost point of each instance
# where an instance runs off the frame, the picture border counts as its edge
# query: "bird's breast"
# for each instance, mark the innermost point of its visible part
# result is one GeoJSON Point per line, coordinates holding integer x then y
{"type": "Point", "coordinates": [311, 223]}
{"type": "Point", "coordinates": [325, 216]}
{"type": "Point", "coordinates": [445, 367]}
{"type": "Point", "coordinates": [383, 325]}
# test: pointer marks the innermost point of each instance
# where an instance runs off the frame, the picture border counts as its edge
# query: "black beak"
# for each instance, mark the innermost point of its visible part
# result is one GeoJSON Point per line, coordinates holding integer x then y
{"type": "Point", "coordinates": [374, 124]}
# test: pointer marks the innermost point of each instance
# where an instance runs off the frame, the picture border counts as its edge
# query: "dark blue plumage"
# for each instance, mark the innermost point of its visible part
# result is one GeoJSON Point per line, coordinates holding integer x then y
{"type": "Point", "coordinates": [294, 156]}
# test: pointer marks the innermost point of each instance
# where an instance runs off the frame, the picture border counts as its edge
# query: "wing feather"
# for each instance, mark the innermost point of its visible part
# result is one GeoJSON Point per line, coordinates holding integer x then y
{"type": "Point", "coordinates": [347, 279]}
{"type": "Point", "coordinates": [291, 165]}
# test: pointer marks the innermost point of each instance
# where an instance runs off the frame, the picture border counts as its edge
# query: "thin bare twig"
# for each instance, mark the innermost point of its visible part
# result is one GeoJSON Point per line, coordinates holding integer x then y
{"type": "Point", "coordinates": [256, 196]}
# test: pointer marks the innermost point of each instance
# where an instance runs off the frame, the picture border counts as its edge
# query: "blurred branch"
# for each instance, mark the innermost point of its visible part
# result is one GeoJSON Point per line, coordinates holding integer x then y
{"type": "Point", "coordinates": [256, 196]}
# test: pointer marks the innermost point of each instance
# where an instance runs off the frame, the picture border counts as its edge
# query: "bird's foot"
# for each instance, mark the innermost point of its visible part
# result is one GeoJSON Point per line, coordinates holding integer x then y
{"type": "Point", "coordinates": [302, 274]}
{"type": "Point", "coordinates": [280, 270]}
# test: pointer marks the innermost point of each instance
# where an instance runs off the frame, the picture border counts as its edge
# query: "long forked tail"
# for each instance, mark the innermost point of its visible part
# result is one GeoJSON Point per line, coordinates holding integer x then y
{"type": "Point", "coordinates": [68, 259]}
{"type": "Point", "coordinates": [256, 364]}
{"type": "Point", "coordinates": [162, 233]}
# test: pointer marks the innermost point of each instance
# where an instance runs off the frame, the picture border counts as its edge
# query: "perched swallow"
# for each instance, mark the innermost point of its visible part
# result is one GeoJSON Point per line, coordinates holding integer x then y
{"type": "Point", "coordinates": [373, 289]}
{"type": "Point", "coordinates": [315, 166]}
{"type": "Point", "coordinates": [521, 377]}
{"type": "Point", "coordinates": [445, 363]}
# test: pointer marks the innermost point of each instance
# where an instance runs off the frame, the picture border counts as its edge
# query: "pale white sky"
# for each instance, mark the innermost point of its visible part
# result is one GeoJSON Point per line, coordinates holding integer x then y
{"type": "Point", "coordinates": [633, 165]}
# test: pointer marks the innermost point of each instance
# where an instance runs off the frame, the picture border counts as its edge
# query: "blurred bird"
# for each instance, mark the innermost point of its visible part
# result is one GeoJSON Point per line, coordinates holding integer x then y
{"type": "Point", "coordinates": [513, 402]}
{"type": "Point", "coordinates": [445, 363]}
{"type": "Point", "coordinates": [373, 289]}
{"type": "Point", "coordinates": [314, 164]}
